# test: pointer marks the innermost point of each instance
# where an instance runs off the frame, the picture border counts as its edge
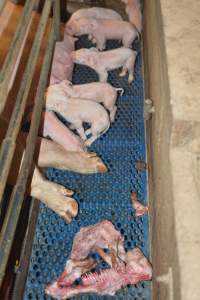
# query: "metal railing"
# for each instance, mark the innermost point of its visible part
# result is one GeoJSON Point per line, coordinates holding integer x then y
{"type": "Point", "coordinates": [8, 144]}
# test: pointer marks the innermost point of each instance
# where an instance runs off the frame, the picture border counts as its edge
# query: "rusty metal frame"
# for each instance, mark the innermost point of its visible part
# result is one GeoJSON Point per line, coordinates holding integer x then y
{"type": "Point", "coordinates": [9, 143]}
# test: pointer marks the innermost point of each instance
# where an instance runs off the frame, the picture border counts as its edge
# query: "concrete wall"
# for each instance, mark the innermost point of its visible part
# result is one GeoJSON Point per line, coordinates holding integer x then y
{"type": "Point", "coordinates": [171, 43]}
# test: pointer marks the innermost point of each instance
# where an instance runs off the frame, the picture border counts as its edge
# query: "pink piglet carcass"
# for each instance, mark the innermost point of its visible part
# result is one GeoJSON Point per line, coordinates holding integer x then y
{"type": "Point", "coordinates": [101, 92]}
{"type": "Point", "coordinates": [101, 30]}
{"type": "Point", "coordinates": [102, 62]}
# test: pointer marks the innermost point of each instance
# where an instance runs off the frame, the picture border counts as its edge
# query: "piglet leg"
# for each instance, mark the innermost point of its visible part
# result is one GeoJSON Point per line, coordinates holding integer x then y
{"type": "Point", "coordinates": [112, 113]}
{"type": "Point", "coordinates": [81, 132]}
{"type": "Point", "coordinates": [55, 156]}
{"type": "Point", "coordinates": [123, 72]}
{"type": "Point", "coordinates": [103, 75]}
{"type": "Point", "coordinates": [89, 141]}
{"type": "Point", "coordinates": [54, 196]}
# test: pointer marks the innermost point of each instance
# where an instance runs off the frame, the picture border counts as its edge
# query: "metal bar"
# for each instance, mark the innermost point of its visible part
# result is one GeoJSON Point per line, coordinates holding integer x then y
{"type": "Point", "coordinates": [12, 216]}
{"type": "Point", "coordinates": [2, 5]}
{"type": "Point", "coordinates": [22, 270]}
{"type": "Point", "coordinates": [15, 67]}
{"type": "Point", "coordinates": [56, 16]}
{"type": "Point", "coordinates": [8, 66]}
{"type": "Point", "coordinates": [9, 143]}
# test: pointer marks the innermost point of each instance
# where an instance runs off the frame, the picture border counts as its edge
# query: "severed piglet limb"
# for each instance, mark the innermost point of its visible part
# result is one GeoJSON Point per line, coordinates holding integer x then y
{"type": "Point", "coordinates": [50, 154]}
{"type": "Point", "coordinates": [52, 127]}
{"type": "Point", "coordinates": [54, 196]}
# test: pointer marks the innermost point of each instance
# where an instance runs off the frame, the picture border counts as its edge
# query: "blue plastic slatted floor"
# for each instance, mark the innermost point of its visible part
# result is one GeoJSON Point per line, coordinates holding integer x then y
{"type": "Point", "coordinates": [100, 196]}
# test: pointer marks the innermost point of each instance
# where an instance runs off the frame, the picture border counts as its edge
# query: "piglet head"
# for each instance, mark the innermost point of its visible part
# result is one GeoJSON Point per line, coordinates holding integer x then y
{"type": "Point", "coordinates": [85, 56]}
{"type": "Point", "coordinates": [71, 28]}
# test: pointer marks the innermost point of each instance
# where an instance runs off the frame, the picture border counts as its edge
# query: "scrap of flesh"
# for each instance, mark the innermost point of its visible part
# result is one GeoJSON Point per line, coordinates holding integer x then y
{"type": "Point", "coordinates": [140, 209]}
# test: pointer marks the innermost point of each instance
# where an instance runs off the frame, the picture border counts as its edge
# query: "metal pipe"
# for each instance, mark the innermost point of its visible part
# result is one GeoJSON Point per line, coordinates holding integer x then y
{"type": "Point", "coordinates": [2, 5]}
{"type": "Point", "coordinates": [8, 66]}
{"type": "Point", "coordinates": [12, 215]}
{"type": "Point", "coordinates": [9, 142]}
{"type": "Point", "coordinates": [56, 13]}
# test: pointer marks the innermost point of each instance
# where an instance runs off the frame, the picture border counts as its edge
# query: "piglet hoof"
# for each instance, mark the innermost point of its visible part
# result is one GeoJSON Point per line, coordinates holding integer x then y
{"type": "Point", "coordinates": [87, 143]}
{"type": "Point", "coordinates": [101, 167]}
{"type": "Point", "coordinates": [71, 211]}
{"type": "Point", "coordinates": [130, 78]}
{"type": "Point", "coordinates": [66, 192]}
{"type": "Point", "coordinates": [122, 74]}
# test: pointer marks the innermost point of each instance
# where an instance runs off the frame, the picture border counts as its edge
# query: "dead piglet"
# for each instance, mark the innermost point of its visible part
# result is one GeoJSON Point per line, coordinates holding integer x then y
{"type": "Point", "coordinates": [102, 62]}
{"type": "Point", "coordinates": [76, 112]}
{"type": "Point", "coordinates": [100, 92]}
{"type": "Point", "coordinates": [101, 30]}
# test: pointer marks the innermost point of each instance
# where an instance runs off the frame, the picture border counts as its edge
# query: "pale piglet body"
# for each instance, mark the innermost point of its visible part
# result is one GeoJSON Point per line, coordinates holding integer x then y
{"type": "Point", "coordinates": [58, 132]}
{"type": "Point", "coordinates": [101, 30]}
{"type": "Point", "coordinates": [96, 12]}
{"type": "Point", "coordinates": [100, 92]}
{"type": "Point", "coordinates": [102, 62]}
{"type": "Point", "coordinates": [62, 66]}
{"type": "Point", "coordinates": [77, 112]}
